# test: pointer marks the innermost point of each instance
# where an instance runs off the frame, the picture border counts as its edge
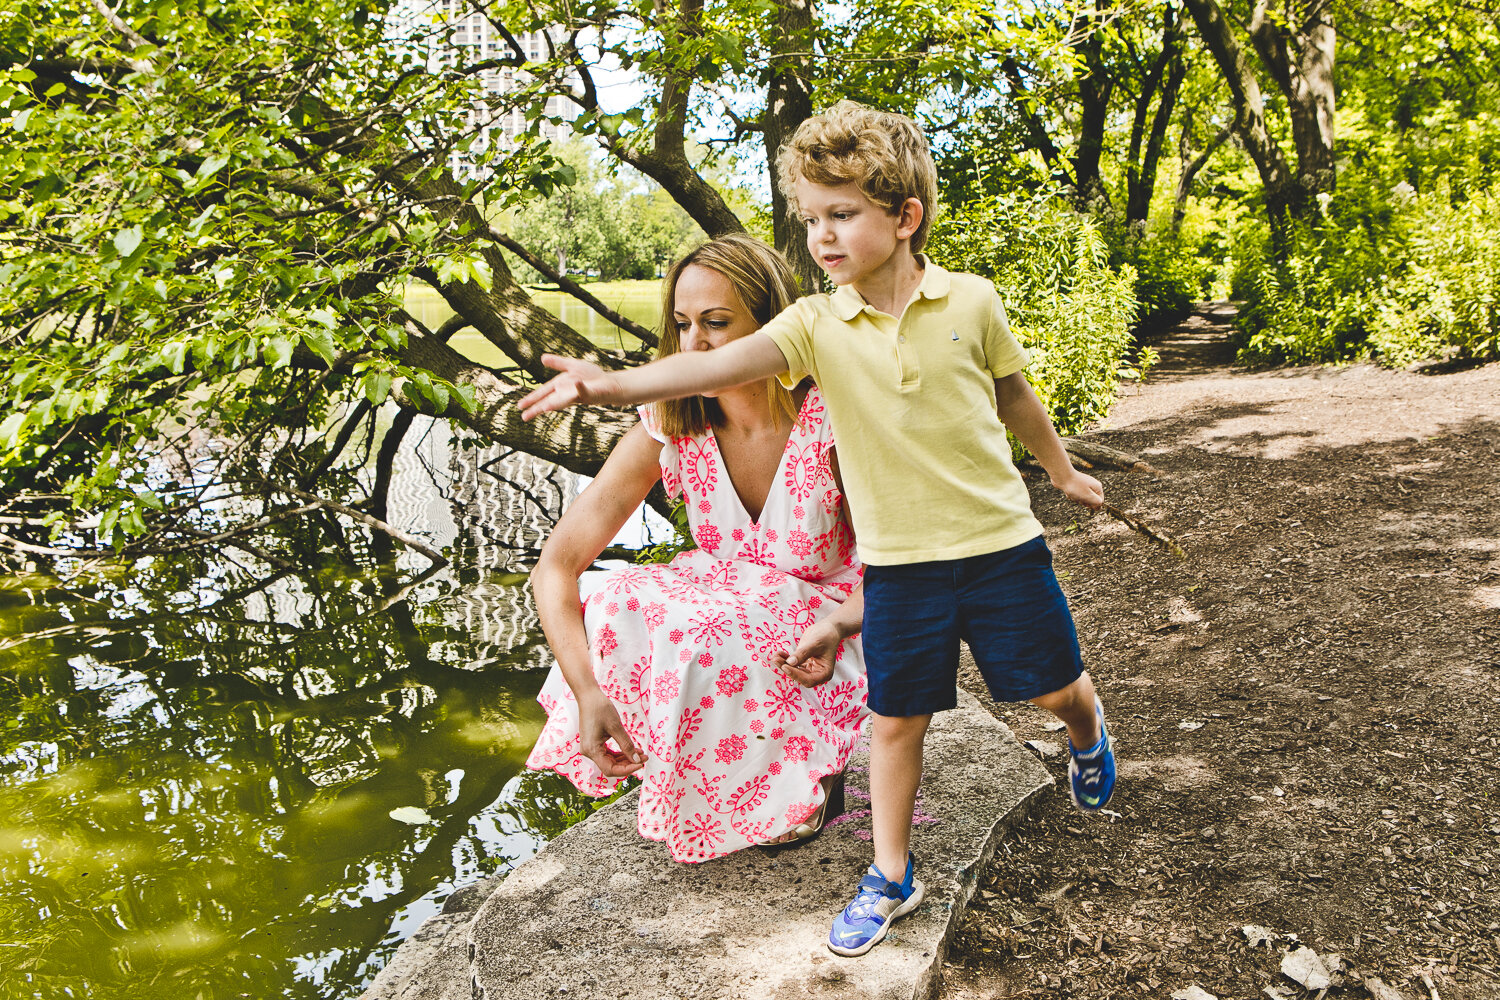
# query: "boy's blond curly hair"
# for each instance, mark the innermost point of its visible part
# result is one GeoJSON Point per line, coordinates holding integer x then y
{"type": "Point", "coordinates": [886, 154]}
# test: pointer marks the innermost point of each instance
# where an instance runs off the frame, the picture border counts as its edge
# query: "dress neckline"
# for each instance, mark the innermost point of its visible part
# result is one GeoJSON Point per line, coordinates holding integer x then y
{"type": "Point", "coordinates": [780, 466]}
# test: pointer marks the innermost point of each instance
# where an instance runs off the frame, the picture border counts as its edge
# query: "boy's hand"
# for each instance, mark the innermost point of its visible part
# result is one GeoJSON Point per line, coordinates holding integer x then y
{"type": "Point", "coordinates": [580, 382]}
{"type": "Point", "coordinates": [1081, 488]}
{"type": "Point", "coordinates": [811, 663]}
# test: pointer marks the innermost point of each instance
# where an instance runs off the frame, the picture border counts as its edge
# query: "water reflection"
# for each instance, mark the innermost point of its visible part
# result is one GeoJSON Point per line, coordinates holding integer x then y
{"type": "Point", "coordinates": [200, 758]}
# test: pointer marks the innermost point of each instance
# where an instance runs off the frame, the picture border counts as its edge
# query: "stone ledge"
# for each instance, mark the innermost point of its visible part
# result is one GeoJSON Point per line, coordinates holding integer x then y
{"type": "Point", "coordinates": [602, 913]}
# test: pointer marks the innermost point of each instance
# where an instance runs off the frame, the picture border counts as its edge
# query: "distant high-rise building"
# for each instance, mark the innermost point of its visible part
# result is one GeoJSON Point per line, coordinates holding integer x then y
{"type": "Point", "coordinates": [474, 39]}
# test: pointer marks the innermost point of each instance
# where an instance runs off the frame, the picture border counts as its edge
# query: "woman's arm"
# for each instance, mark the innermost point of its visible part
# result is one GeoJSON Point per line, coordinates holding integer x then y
{"type": "Point", "coordinates": [584, 530]}
{"type": "Point", "coordinates": [685, 374]}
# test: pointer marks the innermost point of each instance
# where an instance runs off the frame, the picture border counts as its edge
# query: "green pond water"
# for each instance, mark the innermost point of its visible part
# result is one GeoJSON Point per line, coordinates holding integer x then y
{"type": "Point", "coordinates": [200, 756]}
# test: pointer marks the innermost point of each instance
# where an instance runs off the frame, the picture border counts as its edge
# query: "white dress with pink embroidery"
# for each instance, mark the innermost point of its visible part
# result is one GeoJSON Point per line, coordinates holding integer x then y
{"type": "Point", "coordinates": [734, 748]}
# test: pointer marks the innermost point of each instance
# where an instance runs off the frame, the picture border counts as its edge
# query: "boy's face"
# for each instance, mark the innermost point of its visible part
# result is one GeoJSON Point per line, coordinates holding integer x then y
{"type": "Point", "coordinates": [850, 236]}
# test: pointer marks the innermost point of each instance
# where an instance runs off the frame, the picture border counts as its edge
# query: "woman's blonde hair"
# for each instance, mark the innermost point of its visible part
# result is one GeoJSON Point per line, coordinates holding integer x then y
{"type": "Point", "coordinates": [885, 154]}
{"type": "Point", "coordinates": [765, 285]}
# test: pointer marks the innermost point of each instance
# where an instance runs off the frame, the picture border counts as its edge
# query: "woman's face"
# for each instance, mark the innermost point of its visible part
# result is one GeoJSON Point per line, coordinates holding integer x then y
{"type": "Point", "coordinates": [708, 311]}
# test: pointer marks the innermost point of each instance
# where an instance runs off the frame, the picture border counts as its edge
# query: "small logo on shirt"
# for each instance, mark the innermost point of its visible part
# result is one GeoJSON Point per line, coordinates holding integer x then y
{"type": "Point", "coordinates": [955, 334]}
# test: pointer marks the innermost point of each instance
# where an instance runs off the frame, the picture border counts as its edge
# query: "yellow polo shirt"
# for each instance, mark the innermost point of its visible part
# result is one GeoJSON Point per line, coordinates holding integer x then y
{"type": "Point", "coordinates": [923, 454]}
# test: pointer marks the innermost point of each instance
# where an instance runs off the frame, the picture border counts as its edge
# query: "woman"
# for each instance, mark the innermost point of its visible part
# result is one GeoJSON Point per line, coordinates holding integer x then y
{"type": "Point", "coordinates": [679, 673]}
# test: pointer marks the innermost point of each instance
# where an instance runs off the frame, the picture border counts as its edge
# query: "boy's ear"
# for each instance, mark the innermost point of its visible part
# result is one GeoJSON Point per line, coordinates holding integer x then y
{"type": "Point", "coordinates": [911, 215]}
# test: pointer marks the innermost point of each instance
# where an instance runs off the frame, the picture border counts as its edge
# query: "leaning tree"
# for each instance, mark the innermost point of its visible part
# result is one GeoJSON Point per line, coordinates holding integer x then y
{"type": "Point", "coordinates": [211, 214]}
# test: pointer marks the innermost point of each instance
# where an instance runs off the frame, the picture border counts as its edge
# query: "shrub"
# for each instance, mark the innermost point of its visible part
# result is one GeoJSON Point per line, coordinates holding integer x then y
{"type": "Point", "coordinates": [1394, 276]}
{"type": "Point", "coordinates": [1444, 302]}
{"type": "Point", "coordinates": [1169, 277]}
{"type": "Point", "coordinates": [1067, 306]}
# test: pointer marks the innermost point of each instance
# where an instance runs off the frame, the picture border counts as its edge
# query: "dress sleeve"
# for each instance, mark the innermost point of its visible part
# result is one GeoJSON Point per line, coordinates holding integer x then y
{"type": "Point", "coordinates": [1003, 353]}
{"type": "Point", "coordinates": [671, 474]}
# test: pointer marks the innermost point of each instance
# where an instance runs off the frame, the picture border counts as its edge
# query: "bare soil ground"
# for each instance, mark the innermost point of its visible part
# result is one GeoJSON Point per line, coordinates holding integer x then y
{"type": "Point", "coordinates": [1305, 707]}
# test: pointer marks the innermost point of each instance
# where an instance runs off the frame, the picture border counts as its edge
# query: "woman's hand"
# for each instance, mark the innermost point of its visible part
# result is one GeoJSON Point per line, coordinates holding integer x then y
{"type": "Point", "coordinates": [599, 721]}
{"type": "Point", "coordinates": [811, 663]}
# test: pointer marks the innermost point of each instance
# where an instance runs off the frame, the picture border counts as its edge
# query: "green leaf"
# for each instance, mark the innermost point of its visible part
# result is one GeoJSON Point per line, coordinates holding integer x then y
{"type": "Point", "coordinates": [128, 240]}
{"type": "Point", "coordinates": [278, 352]}
{"type": "Point", "coordinates": [107, 520]}
{"type": "Point", "coordinates": [173, 356]}
{"type": "Point", "coordinates": [320, 342]}
{"type": "Point", "coordinates": [377, 386]}
{"type": "Point", "coordinates": [10, 430]}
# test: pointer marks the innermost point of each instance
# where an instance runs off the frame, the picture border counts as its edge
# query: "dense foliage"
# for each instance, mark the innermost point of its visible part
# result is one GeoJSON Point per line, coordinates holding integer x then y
{"type": "Point", "coordinates": [1070, 309]}
{"type": "Point", "coordinates": [209, 214]}
{"type": "Point", "coordinates": [1398, 263]}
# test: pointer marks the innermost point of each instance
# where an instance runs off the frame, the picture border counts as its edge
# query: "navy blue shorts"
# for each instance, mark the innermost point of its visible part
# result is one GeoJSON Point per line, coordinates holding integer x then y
{"type": "Point", "coordinates": [1006, 605]}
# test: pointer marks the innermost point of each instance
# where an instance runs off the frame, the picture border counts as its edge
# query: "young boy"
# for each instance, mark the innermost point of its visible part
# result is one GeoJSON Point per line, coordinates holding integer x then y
{"type": "Point", "coordinates": [921, 377]}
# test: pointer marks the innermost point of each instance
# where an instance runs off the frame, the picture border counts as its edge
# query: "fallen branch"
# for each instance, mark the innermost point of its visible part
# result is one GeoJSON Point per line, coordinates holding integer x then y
{"type": "Point", "coordinates": [1091, 453]}
{"type": "Point", "coordinates": [410, 541]}
{"type": "Point", "coordinates": [1141, 527]}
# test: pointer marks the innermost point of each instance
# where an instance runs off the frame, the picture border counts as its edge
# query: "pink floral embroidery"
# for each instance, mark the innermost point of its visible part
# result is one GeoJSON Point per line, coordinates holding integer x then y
{"type": "Point", "coordinates": [667, 686]}
{"type": "Point", "coordinates": [730, 749]}
{"type": "Point", "coordinates": [683, 650]}
{"type": "Point", "coordinates": [707, 536]}
{"type": "Point", "coordinates": [749, 795]}
{"type": "Point", "coordinates": [800, 542]}
{"type": "Point", "coordinates": [711, 628]}
{"type": "Point", "coordinates": [732, 682]}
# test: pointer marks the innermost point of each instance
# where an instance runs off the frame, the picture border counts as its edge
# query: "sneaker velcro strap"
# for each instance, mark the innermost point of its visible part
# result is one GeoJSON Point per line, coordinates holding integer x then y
{"type": "Point", "coordinates": [880, 885]}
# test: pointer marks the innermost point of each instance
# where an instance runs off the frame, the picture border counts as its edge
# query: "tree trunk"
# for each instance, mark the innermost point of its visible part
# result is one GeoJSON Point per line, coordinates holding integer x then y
{"type": "Point", "coordinates": [578, 439]}
{"type": "Point", "coordinates": [1094, 90]}
{"type": "Point", "coordinates": [1190, 168]}
{"type": "Point", "coordinates": [788, 105]}
{"type": "Point", "coordinates": [1142, 167]}
{"type": "Point", "coordinates": [1306, 82]}
{"type": "Point", "coordinates": [1282, 194]}
{"type": "Point", "coordinates": [1300, 58]}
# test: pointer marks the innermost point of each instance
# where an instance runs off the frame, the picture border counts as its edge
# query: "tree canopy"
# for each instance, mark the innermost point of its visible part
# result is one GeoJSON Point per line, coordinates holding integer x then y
{"type": "Point", "coordinates": [212, 212]}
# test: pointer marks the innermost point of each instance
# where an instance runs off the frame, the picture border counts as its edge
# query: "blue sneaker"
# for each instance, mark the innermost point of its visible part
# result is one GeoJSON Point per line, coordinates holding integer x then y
{"type": "Point", "coordinates": [876, 905]}
{"type": "Point", "coordinates": [1091, 774]}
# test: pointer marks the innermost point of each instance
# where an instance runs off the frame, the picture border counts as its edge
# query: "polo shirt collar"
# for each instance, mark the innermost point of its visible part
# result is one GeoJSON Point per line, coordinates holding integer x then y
{"type": "Point", "coordinates": [847, 303]}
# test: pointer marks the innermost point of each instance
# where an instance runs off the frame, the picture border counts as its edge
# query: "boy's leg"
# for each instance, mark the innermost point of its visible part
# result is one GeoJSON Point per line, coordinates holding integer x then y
{"type": "Point", "coordinates": [1074, 705]}
{"type": "Point", "coordinates": [1091, 760]}
{"type": "Point", "coordinates": [1017, 623]}
{"type": "Point", "coordinates": [895, 773]}
{"type": "Point", "coordinates": [889, 890]}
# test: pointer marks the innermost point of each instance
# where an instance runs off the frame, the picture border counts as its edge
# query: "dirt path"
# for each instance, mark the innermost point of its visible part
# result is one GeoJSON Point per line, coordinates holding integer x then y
{"type": "Point", "coordinates": [1307, 708]}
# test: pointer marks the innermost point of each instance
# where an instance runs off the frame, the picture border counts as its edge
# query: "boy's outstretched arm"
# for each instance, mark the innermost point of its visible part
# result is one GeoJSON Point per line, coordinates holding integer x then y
{"type": "Point", "coordinates": [1027, 418]}
{"type": "Point", "coordinates": [685, 374]}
